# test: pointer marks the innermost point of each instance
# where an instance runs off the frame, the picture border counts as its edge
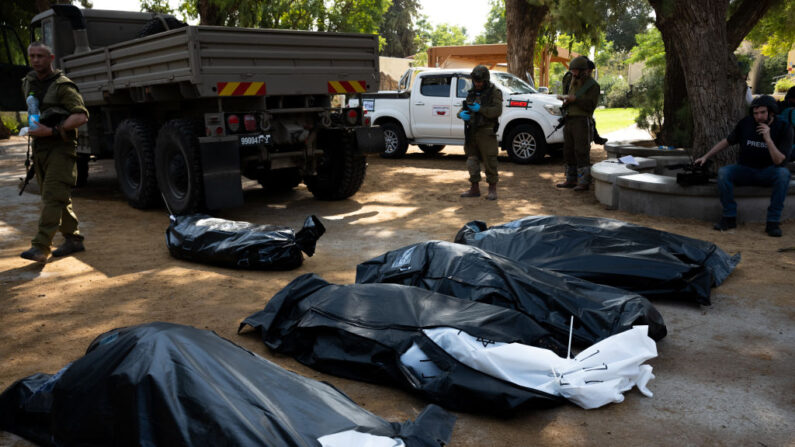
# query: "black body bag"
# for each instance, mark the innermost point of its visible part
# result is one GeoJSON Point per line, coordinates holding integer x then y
{"type": "Point", "coordinates": [653, 263]}
{"type": "Point", "coordinates": [371, 332]}
{"type": "Point", "coordinates": [171, 385]}
{"type": "Point", "coordinates": [549, 298]}
{"type": "Point", "coordinates": [241, 245]}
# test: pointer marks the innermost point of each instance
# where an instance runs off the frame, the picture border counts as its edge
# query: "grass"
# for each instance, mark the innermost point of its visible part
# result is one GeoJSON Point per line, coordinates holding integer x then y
{"type": "Point", "coordinates": [609, 120]}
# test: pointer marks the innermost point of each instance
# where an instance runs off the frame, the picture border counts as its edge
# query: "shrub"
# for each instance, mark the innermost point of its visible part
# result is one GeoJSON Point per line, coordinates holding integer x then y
{"type": "Point", "coordinates": [648, 97]}
{"type": "Point", "coordinates": [785, 84]}
{"type": "Point", "coordinates": [618, 96]}
{"type": "Point", "coordinates": [11, 122]}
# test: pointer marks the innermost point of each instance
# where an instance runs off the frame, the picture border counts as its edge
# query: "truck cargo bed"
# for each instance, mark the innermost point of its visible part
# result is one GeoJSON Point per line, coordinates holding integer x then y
{"type": "Point", "coordinates": [204, 60]}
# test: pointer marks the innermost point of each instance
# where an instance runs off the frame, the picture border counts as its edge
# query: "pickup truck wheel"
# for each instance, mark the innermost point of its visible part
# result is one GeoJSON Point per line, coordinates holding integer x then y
{"type": "Point", "coordinates": [134, 157]}
{"type": "Point", "coordinates": [525, 144]}
{"type": "Point", "coordinates": [280, 180]}
{"type": "Point", "coordinates": [395, 140]}
{"type": "Point", "coordinates": [431, 149]}
{"type": "Point", "coordinates": [179, 172]}
{"type": "Point", "coordinates": [340, 173]}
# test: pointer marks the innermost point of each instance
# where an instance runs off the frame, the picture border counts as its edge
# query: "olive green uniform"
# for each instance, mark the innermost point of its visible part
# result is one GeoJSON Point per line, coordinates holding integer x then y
{"type": "Point", "coordinates": [480, 145]}
{"type": "Point", "coordinates": [577, 133]}
{"type": "Point", "coordinates": [55, 157]}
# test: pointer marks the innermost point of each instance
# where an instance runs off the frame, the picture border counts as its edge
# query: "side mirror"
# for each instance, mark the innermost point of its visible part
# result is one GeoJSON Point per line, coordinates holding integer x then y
{"type": "Point", "coordinates": [544, 90]}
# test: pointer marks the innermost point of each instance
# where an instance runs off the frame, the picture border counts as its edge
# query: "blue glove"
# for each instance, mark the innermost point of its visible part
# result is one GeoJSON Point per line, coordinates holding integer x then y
{"type": "Point", "coordinates": [475, 107]}
{"type": "Point", "coordinates": [464, 115]}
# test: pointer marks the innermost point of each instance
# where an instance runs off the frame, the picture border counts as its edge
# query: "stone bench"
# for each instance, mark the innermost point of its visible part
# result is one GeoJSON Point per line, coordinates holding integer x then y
{"type": "Point", "coordinates": [618, 149]}
{"type": "Point", "coordinates": [619, 187]}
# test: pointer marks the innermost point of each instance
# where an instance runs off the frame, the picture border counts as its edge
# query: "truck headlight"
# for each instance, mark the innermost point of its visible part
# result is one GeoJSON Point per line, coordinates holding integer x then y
{"type": "Point", "coordinates": [552, 109]}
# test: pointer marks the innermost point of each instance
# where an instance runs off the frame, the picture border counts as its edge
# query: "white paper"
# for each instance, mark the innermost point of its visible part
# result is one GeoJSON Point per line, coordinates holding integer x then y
{"type": "Point", "coordinates": [628, 160]}
{"type": "Point", "coordinates": [353, 438]}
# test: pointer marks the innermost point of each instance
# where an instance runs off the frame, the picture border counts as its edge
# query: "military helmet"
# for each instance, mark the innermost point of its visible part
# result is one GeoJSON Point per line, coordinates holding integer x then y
{"type": "Point", "coordinates": [480, 73]}
{"type": "Point", "coordinates": [579, 63]}
{"type": "Point", "coordinates": [764, 101]}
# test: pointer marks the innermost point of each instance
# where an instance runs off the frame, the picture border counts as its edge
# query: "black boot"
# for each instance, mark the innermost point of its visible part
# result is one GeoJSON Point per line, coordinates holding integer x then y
{"type": "Point", "coordinates": [34, 254]}
{"type": "Point", "coordinates": [725, 223]}
{"type": "Point", "coordinates": [69, 246]}
{"type": "Point", "coordinates": [473, 191]}
{"type": "Point", "coordinates": [773, 229]}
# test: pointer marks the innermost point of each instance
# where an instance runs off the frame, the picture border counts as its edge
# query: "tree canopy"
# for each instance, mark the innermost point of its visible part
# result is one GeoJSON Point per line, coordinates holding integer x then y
{"type": "Point", "coordinates": [494, 29]}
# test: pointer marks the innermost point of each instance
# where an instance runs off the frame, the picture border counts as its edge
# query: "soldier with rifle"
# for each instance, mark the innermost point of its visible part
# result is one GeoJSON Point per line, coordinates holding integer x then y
{"type": "Point", "coordinates": [54, 152]}
{"type": "Point", "coordinates": [580, 103]}
{"type": "Point", "coordinates": [481, 111]}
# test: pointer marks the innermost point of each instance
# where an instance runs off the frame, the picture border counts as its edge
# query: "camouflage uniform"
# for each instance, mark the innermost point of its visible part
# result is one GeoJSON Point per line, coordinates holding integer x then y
{"type": "Point", "coordinates": [577, 134]}
{"type": "Point", "coordinates": [481, 140]}
{"type": "Point", "coordinates": [55, 157]}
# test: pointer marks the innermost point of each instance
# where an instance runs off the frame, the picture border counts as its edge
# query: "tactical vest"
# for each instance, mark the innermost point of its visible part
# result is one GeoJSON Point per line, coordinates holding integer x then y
{"type": "Point", "coordinates": [478, 120]}
{"type": "Point", "coordinates": [50, 110]}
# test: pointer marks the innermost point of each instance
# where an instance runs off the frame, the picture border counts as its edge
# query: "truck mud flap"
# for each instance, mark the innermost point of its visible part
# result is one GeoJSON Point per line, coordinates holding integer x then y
{"type": "Point", "coordinates": [220, 158]}
{"type": "Point", "coordinates": [370, 140]}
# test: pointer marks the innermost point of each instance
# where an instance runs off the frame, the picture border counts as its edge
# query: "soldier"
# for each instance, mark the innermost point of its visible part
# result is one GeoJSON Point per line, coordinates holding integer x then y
{"type": "Point", "coordinates": [481, 112]}
{"type": "Point", "coordinates": [581, 99]}
{"type": "Point", "coordinates": [54, 152]}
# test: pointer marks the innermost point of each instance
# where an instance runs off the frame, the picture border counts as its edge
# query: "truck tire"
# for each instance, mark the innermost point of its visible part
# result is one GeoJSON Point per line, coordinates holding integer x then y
{"type": "Point", "coordinates": [525, 144]}
{"type": "Point", "coordinates": [340, 173]}
{"type": "Point", "coordinates": [82, 170]}
{"type": "Point", "coordinates": [178, 166]}
{"type": "Point", "coordinates": [396, 144]}
{"type": "Point", "coordinates": [280, 180]}
{"type": "Point", "coordinates": [431, 149]}
{"type": "Point", "coordinates": [134, 157]}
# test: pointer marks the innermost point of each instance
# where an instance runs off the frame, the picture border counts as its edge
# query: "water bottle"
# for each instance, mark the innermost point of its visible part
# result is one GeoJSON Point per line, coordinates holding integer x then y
{"type": "Point", "coordinates": [33, 111]}
{"type": "Point", "coordinates": [666, 148]}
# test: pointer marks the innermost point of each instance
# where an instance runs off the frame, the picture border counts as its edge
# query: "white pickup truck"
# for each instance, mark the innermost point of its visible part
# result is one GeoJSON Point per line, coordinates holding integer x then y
{"type": "Point", "coordinates": [423, 112]}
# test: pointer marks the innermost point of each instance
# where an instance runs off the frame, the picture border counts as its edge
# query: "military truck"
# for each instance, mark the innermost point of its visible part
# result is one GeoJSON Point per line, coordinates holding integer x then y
{"type": "Point", "coordinates": [184, 111]}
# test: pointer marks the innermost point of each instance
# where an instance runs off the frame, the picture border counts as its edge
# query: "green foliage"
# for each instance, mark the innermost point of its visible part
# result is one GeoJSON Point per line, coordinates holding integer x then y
{"type": "Point", "coordinates": [649, 98]}
{"type": "Point", "coordinates": [610, 120]}
{"type": "Point", "coordinates": [616, 91]}
{"type": "Point", "coordinates": [398, 30]}
{"type": "Point", "coordinates": [157, 6]}
{"type": "Point", "coordinates": [10, 121]}
{"type": "Point", "coordinates": [439, 36]}
{"type": "Point", "coordinates": [494, 30]}
{"type": "Point", "coordinates": [650, 49]}
{"type": "Point", "coordinates": [785, 84]}
{"type": "Point", "coordinates": [624, 23]}
{"type": "Point", "coordinates": [772, 68]}
{"type": "Point", "coordinates": [16, 15]}
{"type": "Point", "coordinates": [445, 35]}
{"type": "Point", "coordinates": [775, 34]}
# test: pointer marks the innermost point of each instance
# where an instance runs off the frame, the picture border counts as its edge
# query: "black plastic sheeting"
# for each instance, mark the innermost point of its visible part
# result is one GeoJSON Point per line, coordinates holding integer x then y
{"type": "Point", "coordinates": [548, 297]}
{"type": "Point", "coordinates": [241, 245]}
{"type": "Point", "coordinates": [171, 385]}
{"type": "Point", "coordinates": [360, 331]}
{"type": "Point", "coordinates": [653, 263]}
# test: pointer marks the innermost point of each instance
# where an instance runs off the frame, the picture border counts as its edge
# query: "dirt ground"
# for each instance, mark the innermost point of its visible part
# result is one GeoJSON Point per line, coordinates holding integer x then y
{"type": "Point", "coordinates": [724, 375]}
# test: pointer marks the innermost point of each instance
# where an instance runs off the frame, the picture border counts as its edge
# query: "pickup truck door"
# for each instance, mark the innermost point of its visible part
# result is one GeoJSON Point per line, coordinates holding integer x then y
{"type": "Point", "coordinates": [431, 106]}
{"type": "Point", "coordinates": [463, 84]}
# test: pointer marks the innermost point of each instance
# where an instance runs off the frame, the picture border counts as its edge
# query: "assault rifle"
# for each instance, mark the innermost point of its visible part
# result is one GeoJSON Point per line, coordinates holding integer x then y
{"type": "Point", "coordinates": [30, 171]}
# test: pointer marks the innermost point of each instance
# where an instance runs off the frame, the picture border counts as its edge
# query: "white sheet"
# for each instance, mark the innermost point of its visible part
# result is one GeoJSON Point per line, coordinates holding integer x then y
{"type": "Point", "coordinates": [597, 376]}
{"type": "Point", "coordinates": [353, 438]}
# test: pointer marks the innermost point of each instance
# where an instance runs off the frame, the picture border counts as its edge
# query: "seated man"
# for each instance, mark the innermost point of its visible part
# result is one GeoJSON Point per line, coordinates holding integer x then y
{"type": "Point", "coordinates": [765, 143]}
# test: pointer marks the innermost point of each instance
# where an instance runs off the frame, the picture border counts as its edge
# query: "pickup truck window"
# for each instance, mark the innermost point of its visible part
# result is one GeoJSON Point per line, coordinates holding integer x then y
{"type": "Point", "coordinates": [438, 86]}
{"type": "Point", "coordinates": [512, 83]}
{"type": "Point", "coordinates": [464, 84]}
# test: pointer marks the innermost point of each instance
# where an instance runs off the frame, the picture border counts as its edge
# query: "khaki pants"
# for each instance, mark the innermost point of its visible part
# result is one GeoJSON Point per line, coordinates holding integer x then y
{"type": "Point", "coordinates": [481, 147]}
{"type": "Point", "coordinates": [577, 141]}
{"type": "Point", "coordinates": [56, 173]}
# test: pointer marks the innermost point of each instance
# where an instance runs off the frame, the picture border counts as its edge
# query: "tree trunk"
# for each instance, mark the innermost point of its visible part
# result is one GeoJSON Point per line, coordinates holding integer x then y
{"type": "Point", "coordinates": [677, 127]}
{"type": "Point", "coordinates": [209, 13]}
{"type": "Point", "coordinates": [704, 43]}
{"type": "Point", "coordinates": [522, 23]}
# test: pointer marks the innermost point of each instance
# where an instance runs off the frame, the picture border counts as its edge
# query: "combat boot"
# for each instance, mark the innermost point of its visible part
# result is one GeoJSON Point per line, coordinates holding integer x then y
{"type": "Point", "coordinates": [474, 191]}
{"type": "Point", "coordinates": [773, 229]}
{"type": "Point", "coordinates": [571, 178]}
{"type": "Point", "coordinates": [725, 223]}
{"type": "Point", "coordinates": [583, 179]}
{"type": "Point", "coordinates": [70, 245]}
{"type": "Point", "coordinates": [34, 254]}
{"type": "Point", "coordinates": [492, 195]}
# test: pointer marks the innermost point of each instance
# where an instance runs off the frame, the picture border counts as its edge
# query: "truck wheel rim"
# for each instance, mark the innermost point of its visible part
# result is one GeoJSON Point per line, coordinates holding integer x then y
{"type": "Point", "coordinates": [391, 141]}
{"type": "Point", "coordinates": [178, 177]}
{"type": "Point", "coordinates": [524, 145]}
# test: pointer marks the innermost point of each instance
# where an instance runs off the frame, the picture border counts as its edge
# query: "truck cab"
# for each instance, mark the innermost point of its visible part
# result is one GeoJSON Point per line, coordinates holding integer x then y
{"type": "Point", "coordinates": [423, 112]}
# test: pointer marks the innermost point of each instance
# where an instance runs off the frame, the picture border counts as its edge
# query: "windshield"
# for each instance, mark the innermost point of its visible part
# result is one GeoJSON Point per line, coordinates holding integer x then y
{"type": "Point", "coordinates": [511, 83]}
